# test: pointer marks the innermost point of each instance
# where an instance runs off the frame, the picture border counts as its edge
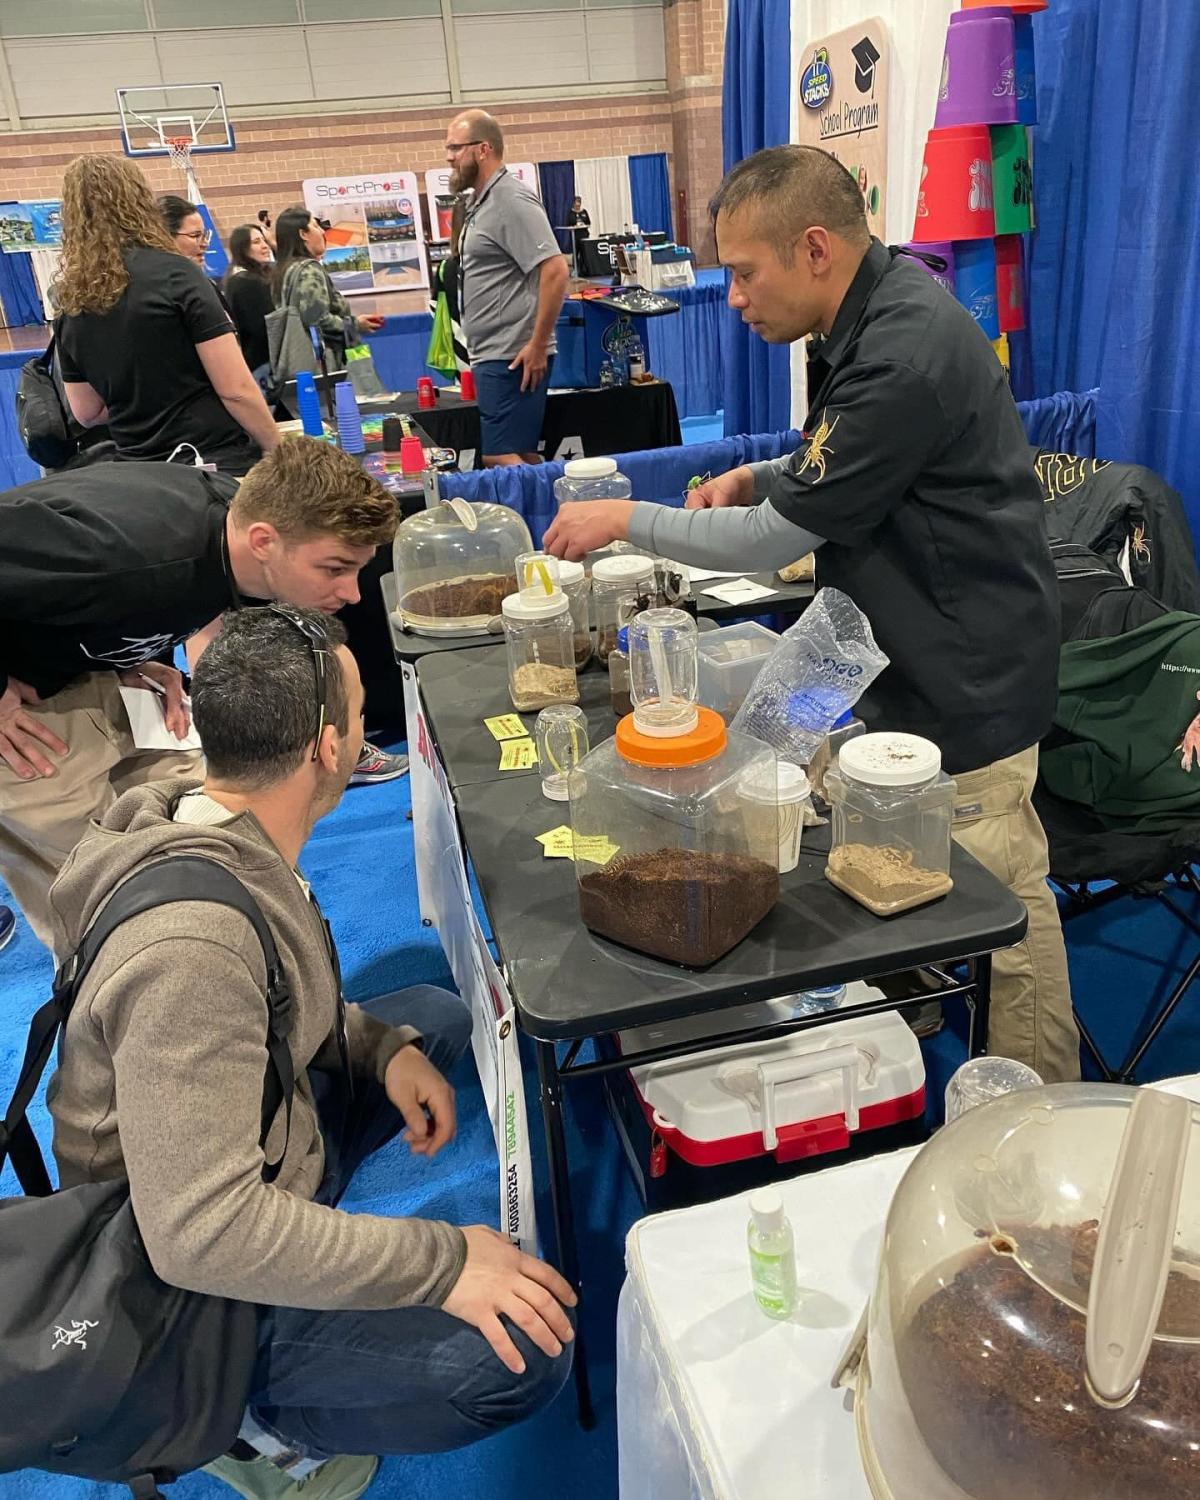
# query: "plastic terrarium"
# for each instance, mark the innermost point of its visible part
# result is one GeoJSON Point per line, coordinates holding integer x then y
{"type": "Point", "coordinates": [1034, 1332]}
{"type": "Point", "coordinates": [672, 857]}
{"type": "Point", "coordinates": [454, 565]}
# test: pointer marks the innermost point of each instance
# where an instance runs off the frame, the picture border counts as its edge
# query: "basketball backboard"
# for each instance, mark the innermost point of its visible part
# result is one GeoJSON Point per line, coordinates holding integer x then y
{"type": "Point", "coordinates": [154, 117]}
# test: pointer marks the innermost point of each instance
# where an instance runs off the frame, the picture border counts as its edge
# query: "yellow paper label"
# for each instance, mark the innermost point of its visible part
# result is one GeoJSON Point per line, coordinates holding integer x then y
{"type": "Point", "coordinates": [597, 849]}
{"type": "Point", "coordinates": [518, 755]}
{"type": "Point", "coordinates": [506, 727]}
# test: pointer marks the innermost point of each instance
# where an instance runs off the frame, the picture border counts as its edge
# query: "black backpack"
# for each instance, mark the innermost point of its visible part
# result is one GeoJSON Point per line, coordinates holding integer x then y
{"type": "Point", "coordinates": [106, 1372]}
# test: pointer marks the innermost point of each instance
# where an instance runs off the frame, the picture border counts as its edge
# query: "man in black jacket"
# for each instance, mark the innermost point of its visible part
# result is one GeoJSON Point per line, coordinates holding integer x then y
{"type": "Point", "coordinates": [103, 572]}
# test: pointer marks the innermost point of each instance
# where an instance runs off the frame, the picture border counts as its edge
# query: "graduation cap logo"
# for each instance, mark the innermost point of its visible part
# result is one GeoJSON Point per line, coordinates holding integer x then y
{"type": "Point", "coordinates": [865, 55]}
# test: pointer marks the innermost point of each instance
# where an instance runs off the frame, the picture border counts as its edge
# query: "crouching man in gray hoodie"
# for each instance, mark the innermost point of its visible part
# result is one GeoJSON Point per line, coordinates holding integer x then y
{"type": "Point", "coordinates": [374, 1333]}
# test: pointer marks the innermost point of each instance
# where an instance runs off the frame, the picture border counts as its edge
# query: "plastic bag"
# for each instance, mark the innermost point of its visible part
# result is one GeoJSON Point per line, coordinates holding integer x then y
{"type": "Point", "coordinates": [440, 354]}
{"type": "Point", "coordinates": [821, 667]}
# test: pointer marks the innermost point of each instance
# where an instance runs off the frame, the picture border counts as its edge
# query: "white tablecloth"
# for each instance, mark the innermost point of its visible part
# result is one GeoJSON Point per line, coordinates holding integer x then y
{"type": "Point", "coordinates": [714, 1400]}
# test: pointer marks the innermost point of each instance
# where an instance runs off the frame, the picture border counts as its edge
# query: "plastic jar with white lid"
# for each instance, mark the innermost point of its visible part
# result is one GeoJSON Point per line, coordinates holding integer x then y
{"type": "Point", "coordinates": [541, 655]}
{"type": "Point", "coordinates": [577, 586]}
{"type": "Point", "coordinates": [893, 811]}
{"type": "Point", "coordinates": [622, 587]}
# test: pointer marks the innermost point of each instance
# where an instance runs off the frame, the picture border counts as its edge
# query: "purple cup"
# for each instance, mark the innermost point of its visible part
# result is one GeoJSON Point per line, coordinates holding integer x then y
{"type": "Point", "coordinates": [979, 84]}
{"type": "Point", "coordinates": [945, 249]}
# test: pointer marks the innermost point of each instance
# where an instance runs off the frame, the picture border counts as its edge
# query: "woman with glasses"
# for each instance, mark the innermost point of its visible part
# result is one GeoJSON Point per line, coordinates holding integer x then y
{"type": "Point", "coordinates": [247, 291]}
{"type": "Point", "coordinates": [185, 226]}
{"type": "Point", "coordinates": [302, 282]}
{"type": "Point", "coordinates": [144, 342]}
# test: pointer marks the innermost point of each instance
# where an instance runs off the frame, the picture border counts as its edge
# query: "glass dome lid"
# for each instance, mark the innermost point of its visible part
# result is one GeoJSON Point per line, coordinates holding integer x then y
{"type": "Point", "coordinates": [455, 564]}
{"type": "Point", "coordinates": [1034, 1333]}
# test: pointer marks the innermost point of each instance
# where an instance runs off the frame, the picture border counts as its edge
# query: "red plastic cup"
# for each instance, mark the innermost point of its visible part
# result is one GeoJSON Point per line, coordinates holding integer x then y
{"type": "Point", "coordinates": [466, 382]}
{"type": "Point", "coordinates": [412, 455]}
{"type": "Point", "coordinates": [955, 197]}
{"type": "Point", "coordinates": [425, 395]}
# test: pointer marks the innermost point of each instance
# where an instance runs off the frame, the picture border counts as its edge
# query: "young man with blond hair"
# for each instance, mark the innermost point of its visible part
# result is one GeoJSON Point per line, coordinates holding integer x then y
{"type": "Point", "coordinates": [103, 571]}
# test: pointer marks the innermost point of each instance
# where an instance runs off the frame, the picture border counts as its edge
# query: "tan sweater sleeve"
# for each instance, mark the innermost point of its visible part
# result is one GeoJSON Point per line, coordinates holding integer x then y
{"type": "Point", "coordinates": [189, 1059]}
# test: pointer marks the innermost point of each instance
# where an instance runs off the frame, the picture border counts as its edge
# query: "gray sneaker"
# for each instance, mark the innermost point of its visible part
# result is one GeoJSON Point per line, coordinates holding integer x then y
{"type": "Point", "coordinates": [378, 765]}
{"type": "Point", "coordinates": [342, 1478]}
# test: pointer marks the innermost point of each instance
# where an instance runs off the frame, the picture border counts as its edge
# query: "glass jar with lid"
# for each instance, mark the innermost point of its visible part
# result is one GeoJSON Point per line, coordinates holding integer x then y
{"type": "Point", "coordinates": [671, 857]}
{"type": "Point", "coordinates": [1034, 1330]}
{"type": "Point", "coordinates": [622, 586]}
{"type": "Point", "coordinates": [454, 564]}
{"type": "Point", "coordinates": [893, 809]}
{"type": "Point", "coordinates": [540, 638]}
{"type": "Point", "coordinates": [577, 586]}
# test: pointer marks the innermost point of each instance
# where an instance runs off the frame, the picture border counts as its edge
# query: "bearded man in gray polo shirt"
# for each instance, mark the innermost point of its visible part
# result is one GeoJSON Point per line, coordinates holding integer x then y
{"type": "Point", "coordinates": [514, 278]}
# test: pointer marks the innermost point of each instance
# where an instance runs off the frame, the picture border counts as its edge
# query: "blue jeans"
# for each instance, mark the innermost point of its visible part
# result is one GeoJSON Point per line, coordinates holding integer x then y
{"type": "Point", "coordinates": [510, 419]}
{"type": "Point", "coordinates": [402, 1379]}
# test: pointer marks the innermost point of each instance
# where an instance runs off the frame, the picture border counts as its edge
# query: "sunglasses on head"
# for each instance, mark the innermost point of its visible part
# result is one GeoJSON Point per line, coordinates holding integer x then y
{"type": "Point", "coordinates": [318, 642]}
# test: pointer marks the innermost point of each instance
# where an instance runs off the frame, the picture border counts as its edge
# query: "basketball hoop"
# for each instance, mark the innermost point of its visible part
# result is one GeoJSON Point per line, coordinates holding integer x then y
{"type": "Point", "coordinates": [179, 149]}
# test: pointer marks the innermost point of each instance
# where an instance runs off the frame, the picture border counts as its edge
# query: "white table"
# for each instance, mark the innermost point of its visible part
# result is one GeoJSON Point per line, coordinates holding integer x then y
{"type": "Point", "coordinates": [714, 1400]}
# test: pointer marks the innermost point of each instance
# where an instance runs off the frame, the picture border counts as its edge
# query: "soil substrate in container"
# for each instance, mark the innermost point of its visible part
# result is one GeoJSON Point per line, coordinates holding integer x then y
{"type": "Point", "coordinates": [477, 596]}
{"type": "Point", "coordinates": [687, 907]}
{"type": "Point", "coordinates": [994, 1367]}
{"type": "Point", "coordinates": [883, 879]}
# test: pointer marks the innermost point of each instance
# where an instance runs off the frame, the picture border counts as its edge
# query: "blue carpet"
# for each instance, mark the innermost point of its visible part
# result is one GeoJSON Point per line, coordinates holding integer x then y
{"type": "Point", "coordinates": [360, 861]}
{"type": "Point", "coordinates": [704, 429]}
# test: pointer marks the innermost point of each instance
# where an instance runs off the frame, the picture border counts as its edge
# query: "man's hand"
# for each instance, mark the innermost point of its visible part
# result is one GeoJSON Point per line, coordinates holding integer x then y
{"type": "Point", "coordinates": [415, 1086]}
{"type": "Point", "coordinates": [734, 488]}
{"type": "Point", "coordinates": [533, 359]}
{"type": "Point", "coordinates": [369, 323]}
{"type": "Point", "coordinates": [498, 1278]}
{"type": "Point", "coordinates": [21, 735]}
{"type": "Point", "coordinates": [584, 526]}
{"type": "Point", "coordinates": [170, 683]}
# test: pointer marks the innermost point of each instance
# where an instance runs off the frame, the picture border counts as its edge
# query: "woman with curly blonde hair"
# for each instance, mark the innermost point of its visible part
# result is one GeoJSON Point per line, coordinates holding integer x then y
{"type": "Point", "coordinates": [144, 343]}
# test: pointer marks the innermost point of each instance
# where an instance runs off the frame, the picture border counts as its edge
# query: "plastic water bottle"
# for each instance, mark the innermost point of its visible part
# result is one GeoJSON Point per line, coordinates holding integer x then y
{"type": "Point", "coordinates": [349, 422]}
{"type": "Point", "coordinates": [308, 403]}
{"type": "Point", "coordinates": [772, 1254]}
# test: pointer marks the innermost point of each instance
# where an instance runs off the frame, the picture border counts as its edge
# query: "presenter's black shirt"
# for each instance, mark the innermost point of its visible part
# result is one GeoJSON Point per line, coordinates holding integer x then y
{"type": "Point", "coordinates": [917, 471]}
{"type": "Point", "coordinates": [107, 567]}
{"type": "Point", "coordinates": [141, 357]}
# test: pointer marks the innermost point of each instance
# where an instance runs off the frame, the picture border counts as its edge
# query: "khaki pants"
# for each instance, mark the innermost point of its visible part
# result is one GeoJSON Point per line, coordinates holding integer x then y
{"type": "Point", "coordinates": [1031, 1020]}
{"type": "Point", "coordinates": [42, 820]}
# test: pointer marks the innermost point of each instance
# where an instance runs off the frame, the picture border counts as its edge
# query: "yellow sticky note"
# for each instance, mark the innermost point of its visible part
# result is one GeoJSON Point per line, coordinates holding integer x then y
{"type": "Point", "coordinates": [557, 843]}
{"type": "Point", "coordinates": [506, 727]}
{"type": "Point", "coordinates": [597, 850]}
{"type": "Point", "coordinates": [518, 755]}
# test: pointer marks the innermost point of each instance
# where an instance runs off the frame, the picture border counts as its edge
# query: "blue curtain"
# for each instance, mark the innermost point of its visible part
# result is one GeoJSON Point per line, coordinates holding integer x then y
{"type": "Point", "coordinates": [685, 348]}
{"type": "Point", "coordinates": [651, 190]}
{"type": "Point", "coordinates": [755, 110]}
{"type": "Point", "coordinates": [19, 297]}
{"type": "Point", "coordinates": [1115, 283]}
{"type": "Point", "coordinates": [558, 190]}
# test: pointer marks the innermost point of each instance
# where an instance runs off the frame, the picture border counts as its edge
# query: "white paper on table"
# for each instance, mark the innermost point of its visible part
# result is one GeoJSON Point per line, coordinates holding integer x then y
{"type": "Point", "coordinates": [699, 575]}
{"type": "Point", "coordinates": [741, 591]}
{"type": "Point", "coordinates": [147, 725]}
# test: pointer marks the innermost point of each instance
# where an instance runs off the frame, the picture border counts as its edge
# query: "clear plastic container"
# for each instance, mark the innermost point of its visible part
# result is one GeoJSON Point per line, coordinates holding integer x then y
{"type": "Point", "coordinates": [577, 586]}
{"type": "Point", "coordinates": [1034, 1331]}
{"type": "Point", "coordinates": [730, 659]}
{"type": "Point", "coordinates": [561, 734]}
{"type": "Point", "coordinates": [671, 857]}
{"type": "Point", "coordinates": [618, 675]}
{"type": "Point", "coordinates": [594, 479]}
{"type": "Point", "coordinates": [892, 814]}
{"type": "Point", "coordinates": [454, 564]}
{"type": "Point", "coordinates": [540, 639]}
{"type": "Point", "coordinates": [622, 587]}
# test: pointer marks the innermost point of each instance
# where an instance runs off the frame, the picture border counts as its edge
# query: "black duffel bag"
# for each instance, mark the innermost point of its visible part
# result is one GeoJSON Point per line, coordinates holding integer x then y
{"type": "Point", "coordinates": [106, 1372]}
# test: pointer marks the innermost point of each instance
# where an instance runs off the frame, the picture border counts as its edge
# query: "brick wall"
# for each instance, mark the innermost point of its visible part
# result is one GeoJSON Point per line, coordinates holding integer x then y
{"type": "Point", "coordinates": [695, 57]}
{"type": "Point", "coordinates": [275, 154]}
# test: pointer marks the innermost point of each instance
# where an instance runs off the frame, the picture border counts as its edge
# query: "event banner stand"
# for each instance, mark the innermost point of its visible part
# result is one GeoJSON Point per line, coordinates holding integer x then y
{"type": "Point", "coordinates": [445, 901]}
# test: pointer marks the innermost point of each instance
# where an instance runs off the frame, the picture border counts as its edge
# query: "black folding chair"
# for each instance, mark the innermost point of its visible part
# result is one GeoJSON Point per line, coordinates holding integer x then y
{"type": "Point", "coordinates": [1153, 867]}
